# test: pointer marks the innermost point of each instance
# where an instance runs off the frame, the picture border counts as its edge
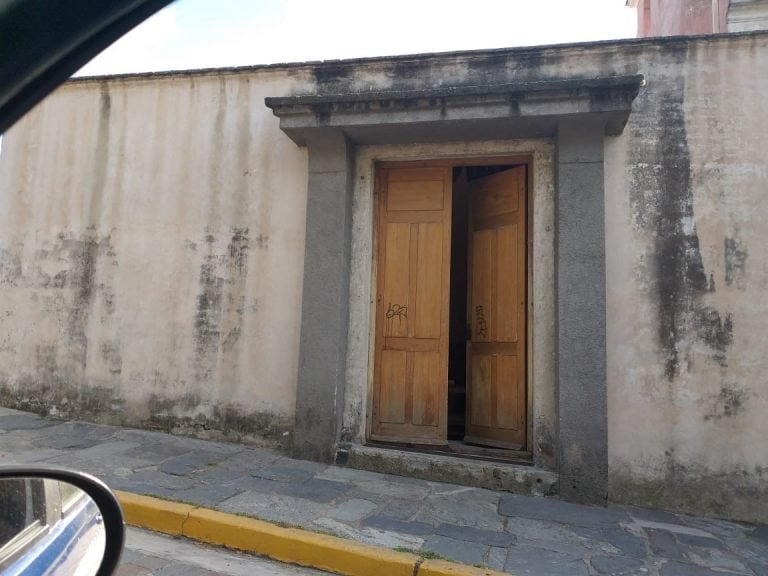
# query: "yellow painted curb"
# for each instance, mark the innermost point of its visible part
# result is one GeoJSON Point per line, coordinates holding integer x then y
{"type": "Point", "coordinates": [443, 568]}
{"type": "Point", "coordinates": [153, 513]}
{"type": "Point", "coordinates": [296, 546]}
{"type": "Point", "coordinates": [292, 545]}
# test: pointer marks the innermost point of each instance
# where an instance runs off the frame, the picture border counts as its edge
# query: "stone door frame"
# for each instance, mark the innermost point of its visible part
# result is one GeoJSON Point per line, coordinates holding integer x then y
{"type": "Point", "coordinates": [577, 114]}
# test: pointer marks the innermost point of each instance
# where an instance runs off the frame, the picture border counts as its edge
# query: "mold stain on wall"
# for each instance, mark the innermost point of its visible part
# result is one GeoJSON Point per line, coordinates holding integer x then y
{"type": "Point", "coordinates": [225, 421]}
{"type": "Point", "coordinates": [208, 312]}
{"type": "Point", "coordinates": [71, 282]}
{"type": "Point", "coordinates": [222, 303]}
{"type": "Point", "coordinates": [194, 329]}
{"type": "Point", "coordinates": [70, 285]}
{"type": "Point", "coordinates": [690, 276]}
{"type": "Point", "coordinates": [662, 200]}
{"type": "Point", "coordinates": [693, 488]}
{"type": "Point", "coordinates": [735, 262]}
{"type": "Point", "coordinates": [79, 292]}
{"type": "Point", "coordinates": [730, 401]}
{"type": "Point", "coordinates": [83, 255]}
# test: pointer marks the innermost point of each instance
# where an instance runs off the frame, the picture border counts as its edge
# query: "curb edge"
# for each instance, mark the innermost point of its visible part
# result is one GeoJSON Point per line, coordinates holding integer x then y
{"type": "Point", "coordinates": [291, 545]}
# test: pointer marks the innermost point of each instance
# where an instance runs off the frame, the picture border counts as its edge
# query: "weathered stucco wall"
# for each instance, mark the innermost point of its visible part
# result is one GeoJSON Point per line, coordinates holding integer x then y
{"type": "Point", "coordinates": [151, 264]}
{"type": "Point", "coordinates": [151, 254]}
{"type": "Point", "coordinates": [687, 273]}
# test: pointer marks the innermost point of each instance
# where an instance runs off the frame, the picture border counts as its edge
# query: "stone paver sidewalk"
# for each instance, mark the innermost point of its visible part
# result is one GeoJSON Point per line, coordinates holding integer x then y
{"type": "Point", "coordinates": [518, 534]}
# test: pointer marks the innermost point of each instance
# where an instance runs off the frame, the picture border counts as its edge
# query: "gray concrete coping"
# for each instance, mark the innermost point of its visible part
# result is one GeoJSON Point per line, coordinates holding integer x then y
{"type": "Point", "coordinates": [473, 112]}
{"type": "Point", "coordinates": [633, 82]}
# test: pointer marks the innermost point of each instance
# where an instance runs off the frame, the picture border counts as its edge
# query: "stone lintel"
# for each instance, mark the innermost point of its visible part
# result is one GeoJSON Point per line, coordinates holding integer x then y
{"type": "Point", "coordinates": [527, 109]}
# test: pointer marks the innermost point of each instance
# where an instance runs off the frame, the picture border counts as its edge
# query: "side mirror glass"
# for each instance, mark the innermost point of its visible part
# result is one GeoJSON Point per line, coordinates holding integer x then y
{"type": "Point", "coordinates": [57, 522]}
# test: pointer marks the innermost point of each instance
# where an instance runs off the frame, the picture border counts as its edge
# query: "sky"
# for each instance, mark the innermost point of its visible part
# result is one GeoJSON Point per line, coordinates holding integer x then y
{"type": "Point", "coordinates": [217, 33]}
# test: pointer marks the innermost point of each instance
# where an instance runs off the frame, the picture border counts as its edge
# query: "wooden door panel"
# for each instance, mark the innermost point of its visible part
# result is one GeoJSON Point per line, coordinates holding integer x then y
{"type": "Point", "coordinates": [481, 311]}
{"type": "Point", "coordinates": [482, 386]}
{"type": "Point", "coordinates": [426, 372]}
{"type": "Point", "coordinates": [509, 408]}
{"type": "Point", "coordinates": [393, 382]}
{"type": "Point", "coordinates": [494, 196]}
{"type": "Point", "coordinates": [429, 262]}
{"type": "Point", "coordinates": [507, 284]}
{"type": "Point", "coordinates": [413, 266]}
{"type": "Point", "coordinates": [497, 292]}
{"type": "Point", "coordinates": [396, 273]}
{"type": "Point", "coordinates": [415, 195]}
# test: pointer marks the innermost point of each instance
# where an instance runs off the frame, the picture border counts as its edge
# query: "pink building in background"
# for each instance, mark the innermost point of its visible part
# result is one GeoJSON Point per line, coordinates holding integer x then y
{"type": "Point", "coordinates": [690, 17]}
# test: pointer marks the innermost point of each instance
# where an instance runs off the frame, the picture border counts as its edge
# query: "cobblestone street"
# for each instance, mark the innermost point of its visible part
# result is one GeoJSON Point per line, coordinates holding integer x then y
{"type": "Point", "coordinates": [149, 554]}
{"type": "Point", "coordinates": [503, 531]}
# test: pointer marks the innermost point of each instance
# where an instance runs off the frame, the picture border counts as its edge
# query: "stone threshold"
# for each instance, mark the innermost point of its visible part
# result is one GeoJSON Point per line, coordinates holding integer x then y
{"type": "Point", "coordinates": [462, 450]}
{"type": "Point", "coordinates": [506, 477]}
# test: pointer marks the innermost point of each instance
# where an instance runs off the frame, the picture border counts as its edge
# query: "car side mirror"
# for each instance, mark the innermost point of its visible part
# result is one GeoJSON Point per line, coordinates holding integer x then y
{"type": "Point", "coordinates": [57, 522]}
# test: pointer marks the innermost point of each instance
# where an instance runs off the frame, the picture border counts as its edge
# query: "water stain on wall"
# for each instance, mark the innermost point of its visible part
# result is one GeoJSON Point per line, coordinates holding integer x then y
{"type": "Point", "coordinates": [177, 415]}
{"type": "Point", "coordinates": [716, 331]}
{"type": "Point", "coordinates": [78, 373]}
{"type": "Point", "coordinates": [222, 301]}
{"type": "Point", "coordinates": [735, 262]}
{"type": "Point", "coordinates": [238, 252]}
{"type": "Point", "coordinates": [70, 280]}
{"type": "Point", "coordinates": [46, 363]}
{"type": "Point", "coordinates": [110, 354]}
{"type": "Point", "coordinates": [329, 76]}
{"type": "Point", "coordinates": [61, 398]}
{"type": "Point", "coordinates": [10, 266]}
{"type": "Point", "coordinates": [663, 204]}
{"type": "Point", "coordinates": [208, 312]}
{"type": "Point", "coordinates": [730, 401]}
{"type": "Point", "coordinates": [693, 488]}
{"type": "Point", "coordinates": [101, 154]}
{"type": "Point", "coordinates": [90, 261]}
{"type": "Point", "coordinates": [83, 256]}
{"type": "Point", "coordinates": [223, 421]}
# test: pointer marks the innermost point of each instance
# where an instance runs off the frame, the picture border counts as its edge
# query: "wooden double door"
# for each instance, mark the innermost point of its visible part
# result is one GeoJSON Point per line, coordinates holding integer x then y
{"type": "Point", "coordinates": [410, 373]}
